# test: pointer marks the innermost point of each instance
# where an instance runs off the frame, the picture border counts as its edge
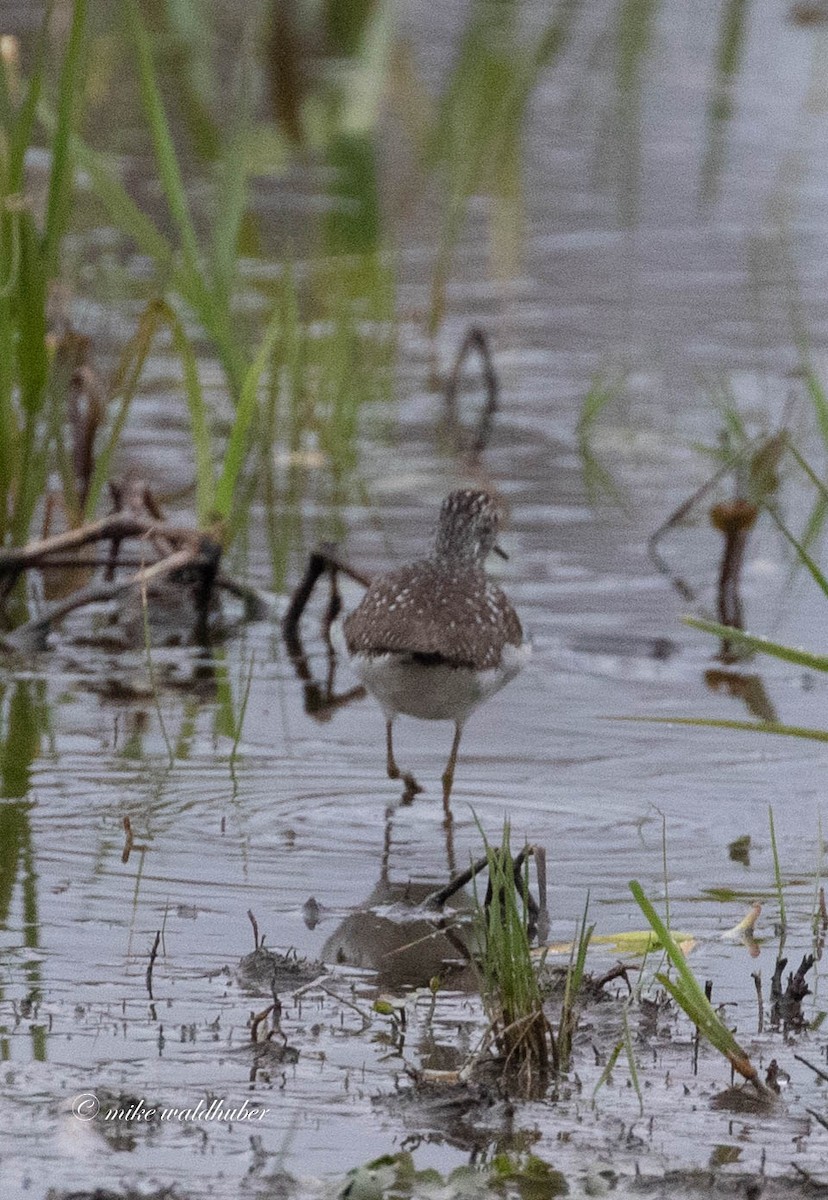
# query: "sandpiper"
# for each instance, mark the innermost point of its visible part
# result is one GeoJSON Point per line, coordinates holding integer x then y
{"type": "Point", "coordinates": [436, 638]}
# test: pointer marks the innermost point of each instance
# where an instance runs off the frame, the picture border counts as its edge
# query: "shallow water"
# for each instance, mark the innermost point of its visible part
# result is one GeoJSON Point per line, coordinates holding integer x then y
{"type": "Point", "coordinates": [623, 270]}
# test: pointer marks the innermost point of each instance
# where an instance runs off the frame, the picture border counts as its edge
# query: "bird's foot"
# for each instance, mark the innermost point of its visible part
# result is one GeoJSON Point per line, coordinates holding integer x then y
{"type": "Point", "coordinates": [410, 785]}
{"type": "Point", "coordinates": [410, 788]}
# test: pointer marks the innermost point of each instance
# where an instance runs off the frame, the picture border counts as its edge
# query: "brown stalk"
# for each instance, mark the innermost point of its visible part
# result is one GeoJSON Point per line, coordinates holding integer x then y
{"type": "Point", "coordinates": [478, 440]}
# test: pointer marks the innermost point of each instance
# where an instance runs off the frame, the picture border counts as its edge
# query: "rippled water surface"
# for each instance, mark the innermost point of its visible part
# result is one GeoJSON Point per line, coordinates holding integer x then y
{"type": "Point", "coordinates": [666, 244]}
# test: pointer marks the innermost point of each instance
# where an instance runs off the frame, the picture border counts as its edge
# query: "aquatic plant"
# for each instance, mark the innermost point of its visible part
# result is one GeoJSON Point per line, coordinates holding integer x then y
{"type": "Point", "coordinates": [511, 989]}
{"type": "Point", "coordinates": [34, 378]}
{"type": "Point", "coordinates": [761, 486]}
{"type": "Point", "coordinates": [690, 996]}
{"type": "Point", "coordinates": [527, 1042]}
{"type": "Point", "coordinates": [520, 1174]}
{"type": "Point", "coordinates": [727, 65]}
{"type": "Point", "coordinates": [473, 141]}
{"type": "Point", "coordinates": [318, 366]}
{"type": "Point", "coordinates": [604, 389]}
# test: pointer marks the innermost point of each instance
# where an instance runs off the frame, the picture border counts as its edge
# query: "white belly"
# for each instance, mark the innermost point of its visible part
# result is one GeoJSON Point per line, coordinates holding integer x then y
{"type": "Point", "coordinates": [433, 693]}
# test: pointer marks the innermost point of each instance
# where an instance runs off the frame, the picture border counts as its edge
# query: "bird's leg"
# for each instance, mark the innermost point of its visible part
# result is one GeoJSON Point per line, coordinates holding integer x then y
{"type": "Point", "coordinates": [394, 772]}
{"type": "Point", "coordinates": [390, 762]}
{"type": "Point", "coordinates": [448, 774]}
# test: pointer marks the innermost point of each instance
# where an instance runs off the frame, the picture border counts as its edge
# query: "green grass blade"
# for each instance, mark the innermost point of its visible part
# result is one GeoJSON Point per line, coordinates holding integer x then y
{"type": "Point", "coordinates": [60, 178]}
{"type": "Point", "coordinates": [57, 391]}
{"type": "Point", "coordinates": [733, 28]}
{"type": "Point", "coordinates": [601, 393]}
{"type": "Point", "coordinates": [232, 192]}
{"type": "Point", "coordinates": [575, 977]}
{"type": "Point", "coordinates": [187, 281]}
{"type": "Point", "coordinates": [9, 426]}
{"type": "Point", "coordinates": [211, 308]}
{"type": "Point", "coordinates": [165, 155]}
{"type": "Point", "coordinates": [804, 556]}
{"type": "Point", "coordinates": [807, 468]}
{"type": "Point", "coordinates": [246, 411]}
{"type": "Point", "coordinates": [30, 312]}
{"type": "Point", "coordinates": [689, 995]}
{"type": "Point", "coordinates": [802, 658]}
{"type": "Point", "coordinates": [199, 419]}
{"type": "Point", "coordinates": [670, 947]}
{"type": "Point", "coordinates": [9, 255]}
{"type": "Point", "coordinates": [816, 520]}
{"type": "Point", "coordinates": [813, 528]}
{"type": "Point", "coordinates": [32, 474]}
{"type": "Point", "coordinates": [777, 873]}
{"type": "Point", "coordinates": [122, 209]}
{"type": "Point", "coordinates": [815, 389]}
{"type": "Point", "coordinates": [814, 735]}
{"type": "Point", "coordinates": [631, 1063]}
{"type": "Point", "coordinates": [23, 127]}
{"type": "Point", "coordinates": [127, 376]}
{"type": "Point", "coordinates": [239, 724]}
{"type": "Point", "coordinates": [608, 1069]}
{"type": "Point", "coordinates": [230, 208]}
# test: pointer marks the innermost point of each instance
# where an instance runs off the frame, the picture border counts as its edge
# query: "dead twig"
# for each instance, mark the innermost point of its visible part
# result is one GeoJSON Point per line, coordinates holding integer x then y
{"type": "Point", "coordinates": [257, 944]}
{"type": "Point", "coordinates": [324, 558]}
{"type": "Point", "coordinates": [153, 956]}
{"type": "Point", "coordinates": [321, 700]}
{"type": "Point", "coordinates": [256, 606]}
{"type": "Point", "coordinates": [367, 1021]}
{"type": "Point", "coordinates": [817, 1070]}
{"type": "Point", "coordinates": [438, 899]}
{"type": "Point", "coordinates": [786, 1007]}
{"type": "Point", "coordinates": [734, 519]}
{"type": "Point", "coordinates": [476, 443]}
{"type": "Point", "coordinates": [166, 549]}
{"type": "Point", "coordinates": [619, 971]}
{"type": "Point", "coordinates": [116, 525]}
{"type": "Point", "coordinates": [522, 888]}
{"type": "Point", "coordinates": [129, 840]}
{"type": "Point", "coordinates": [257, 1018]}
{"type": "Point", "coordinates": [542, 921]}
{"type": "Point", "coordinates": [34, 632]}
{"type": "Point", "coordinates": [757, 980]}
{"type": "Point", "coordinates": [753, 468]}
{"type": "Point", "coordinates": [816, 1184]}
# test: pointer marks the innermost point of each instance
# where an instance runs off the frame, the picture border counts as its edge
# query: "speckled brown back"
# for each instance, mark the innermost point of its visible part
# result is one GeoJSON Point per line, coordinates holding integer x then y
{"type": "Point", "coordinates": [452, 615]}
